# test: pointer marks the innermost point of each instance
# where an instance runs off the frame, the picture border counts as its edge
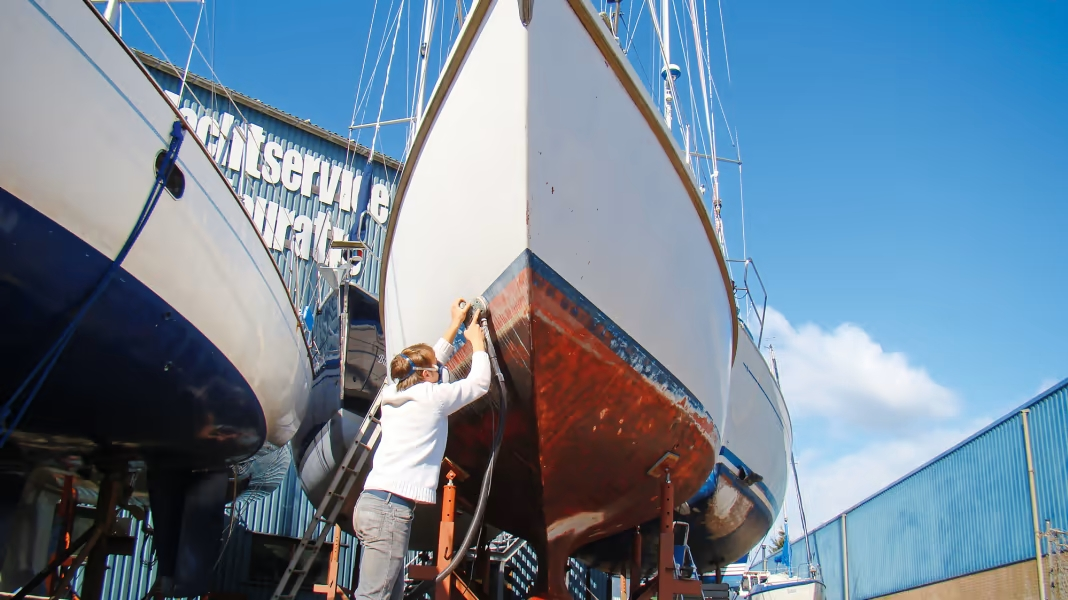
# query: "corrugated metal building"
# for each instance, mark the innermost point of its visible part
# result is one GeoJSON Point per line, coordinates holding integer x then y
{"type": "Point", "coordinates": [297, 181]}
{"type": "Point", "coordinates": [294, 200]}
{"type": "Point", "coordinates": [962, 525]}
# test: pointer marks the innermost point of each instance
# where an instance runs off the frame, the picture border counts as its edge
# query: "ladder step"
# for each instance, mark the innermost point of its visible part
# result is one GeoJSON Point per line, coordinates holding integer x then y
{"type": "Point", "coordinates": [331, 505]}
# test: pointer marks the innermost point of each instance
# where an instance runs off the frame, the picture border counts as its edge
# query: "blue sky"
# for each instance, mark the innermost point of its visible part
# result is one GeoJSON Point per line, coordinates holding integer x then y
{"type": "Point", "coordinates": [905, 199]}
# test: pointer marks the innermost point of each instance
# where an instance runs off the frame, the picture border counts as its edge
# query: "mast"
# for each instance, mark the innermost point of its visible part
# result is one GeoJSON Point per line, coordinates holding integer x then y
{"type": "Point", "coordinates": [424, 60]}
{"type": "Point", "coordinates": [109, 11]}
{"type": "Point", "coordinates": [665, 43]}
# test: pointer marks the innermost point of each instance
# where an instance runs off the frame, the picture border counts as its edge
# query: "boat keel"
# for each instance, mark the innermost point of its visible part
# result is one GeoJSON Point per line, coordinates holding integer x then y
{"type": "Point", "coordinates": [187, 514]}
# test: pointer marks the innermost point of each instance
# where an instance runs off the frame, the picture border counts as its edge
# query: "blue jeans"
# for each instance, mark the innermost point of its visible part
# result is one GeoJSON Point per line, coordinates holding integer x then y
{"type": "Point", "coordinates": [383, 529]}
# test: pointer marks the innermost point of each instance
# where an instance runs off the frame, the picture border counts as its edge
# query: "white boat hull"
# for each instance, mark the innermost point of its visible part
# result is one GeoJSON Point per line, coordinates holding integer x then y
{"type": "Point", "coordinates": [81, 125]}
{"type": "Point", "coordinates": [746, 492]}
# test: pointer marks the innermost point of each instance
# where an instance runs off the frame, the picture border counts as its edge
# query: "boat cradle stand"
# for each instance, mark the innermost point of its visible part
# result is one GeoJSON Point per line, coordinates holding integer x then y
{"type": "Point", "coordinates": [452, 586]}
{"type": "Point", "coordinates": [91, 547]}
{"type": "Point", "coordinates": [668, 582]}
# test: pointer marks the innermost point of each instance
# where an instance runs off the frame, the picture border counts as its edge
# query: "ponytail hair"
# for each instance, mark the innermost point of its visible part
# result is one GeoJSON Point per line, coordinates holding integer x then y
{"type": "Point", "coordinates": [402, 367]}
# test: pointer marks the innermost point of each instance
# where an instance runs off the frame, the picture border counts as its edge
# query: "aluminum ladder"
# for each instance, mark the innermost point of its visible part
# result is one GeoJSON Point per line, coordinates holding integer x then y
{"type": "Point", "coordinates": [327, 512]}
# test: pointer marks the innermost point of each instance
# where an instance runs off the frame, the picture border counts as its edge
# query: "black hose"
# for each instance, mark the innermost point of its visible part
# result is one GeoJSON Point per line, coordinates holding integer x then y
{"type": "Point", "coordinates": [460, 551]}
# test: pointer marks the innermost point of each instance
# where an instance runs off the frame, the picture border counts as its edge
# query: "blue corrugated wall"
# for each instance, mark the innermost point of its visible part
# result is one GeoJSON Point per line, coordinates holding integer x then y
{"type": "Point", "coordinates": [966, 511]}
{"type": "Point", "coordinates": [286, 512]}
{"type": "Point", "coordinates": [200, 104]}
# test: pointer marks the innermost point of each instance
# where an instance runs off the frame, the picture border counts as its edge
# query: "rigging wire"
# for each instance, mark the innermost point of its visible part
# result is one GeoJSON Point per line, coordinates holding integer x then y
{"type": "Point", "coordinates": [359, 80]}
{"type": "Point", "coordinates": [712, 163]}
{"type": "Point", "coordinates": [385, 84]}
{"type": "Point", "coordinates": [192, 44]}
{"type": "Point", "coordinates": [212, 39]}
{"type": "Point", "coordinates": [362, 102]}
{"type": "Point", "coordinates": [365, 94]}
{"type": "Point", "coordinates": [686, 64]}
{"type": "Point", "coordinates": [741, 196]}
{"type": "Point", "coordinates": [630, 32]}
{"type": "Point", "coordinates": [409, 97]}
{"type": "Point", "coordinates": [801, 510]}
{"type": "Point", "coordinates": [211, 68]}
{"type": "Point", "coordinates": [723, 31]}
{"type": "Point", "coordinates": [694, 119]}
{"type": "Point", "coordinates": [441, 36]}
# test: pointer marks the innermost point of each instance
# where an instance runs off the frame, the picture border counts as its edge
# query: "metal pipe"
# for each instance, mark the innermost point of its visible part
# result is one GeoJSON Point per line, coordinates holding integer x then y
{"type": "Point", "coordinates": [1034, 504]}
{"type": "Point", "coordinates": [424, 60]}
{"type": "Point", "coordinates": [380, 123]}
{"type": "Point", "coordinates": [801, 509]}
{"type": "Point", "coordinates": [845, 559]}
{"type": "Point", "coordinates": [720, 158]}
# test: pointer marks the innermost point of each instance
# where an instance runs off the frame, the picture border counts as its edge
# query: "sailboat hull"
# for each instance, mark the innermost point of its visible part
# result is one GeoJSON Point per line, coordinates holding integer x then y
{"type": "Point", "coordinates": [738, 504]}
{"type": "Point", "coordinates": [608, 295]}
{"type": "Point", "coordinates": [797, 589]}
{"type": "Point", "coordinates": [131, 342]}
{"type": "Point", "coordinates": [194, 356]}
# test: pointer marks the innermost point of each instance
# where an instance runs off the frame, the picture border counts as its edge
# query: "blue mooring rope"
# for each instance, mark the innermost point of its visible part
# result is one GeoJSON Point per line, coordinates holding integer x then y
{"type": "Point", "coordinates": [44, 366]}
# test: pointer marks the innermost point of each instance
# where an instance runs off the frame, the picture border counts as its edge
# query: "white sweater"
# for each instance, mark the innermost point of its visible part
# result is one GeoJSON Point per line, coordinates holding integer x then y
{"type": "Point", "coordinates": [415, 427]}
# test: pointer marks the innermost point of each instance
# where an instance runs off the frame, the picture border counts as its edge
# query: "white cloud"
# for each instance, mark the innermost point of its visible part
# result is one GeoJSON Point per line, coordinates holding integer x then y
{"type": "Point", "coordinates": [844, 374]}
{"type": "Point", "coordinates": [890, 416]}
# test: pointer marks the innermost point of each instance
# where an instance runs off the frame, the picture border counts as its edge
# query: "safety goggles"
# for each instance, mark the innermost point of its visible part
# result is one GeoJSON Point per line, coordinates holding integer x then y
{"type": "Point", "coordinates": [440, 368]}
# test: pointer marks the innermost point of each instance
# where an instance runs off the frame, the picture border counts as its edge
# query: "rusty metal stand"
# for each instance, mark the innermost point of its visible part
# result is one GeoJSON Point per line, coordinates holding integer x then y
{"type": "Point", "coordinates": [90, 545]}
{"type": "Point", "coordinates": [331, 588]}
{"type": "Point", "coordinates": [65, 512]}
{"type": "Point", "coordinates": [443, 590]}
{"type": "Point", "coordinates": [666, 584]}
{"type": "Point", "coordinates": [636, 567]}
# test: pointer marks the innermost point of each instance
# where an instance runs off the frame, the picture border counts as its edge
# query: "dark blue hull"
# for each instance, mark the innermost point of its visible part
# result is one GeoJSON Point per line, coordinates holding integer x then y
{"type": "Point", "coordinates": [723, 540]}
{"type": "Point", "coordinates": [137, 380]}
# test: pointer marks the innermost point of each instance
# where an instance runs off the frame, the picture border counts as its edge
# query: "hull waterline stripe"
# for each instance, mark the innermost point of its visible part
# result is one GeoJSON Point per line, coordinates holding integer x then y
{"type": "Point", "coordinates": [600, 326]}
{"type": "Point", "coordinates": [731, 456]}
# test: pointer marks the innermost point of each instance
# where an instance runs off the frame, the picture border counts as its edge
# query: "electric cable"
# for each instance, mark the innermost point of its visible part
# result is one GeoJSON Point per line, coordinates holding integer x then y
{"type": "Point", "coordinates": [476, 521]}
